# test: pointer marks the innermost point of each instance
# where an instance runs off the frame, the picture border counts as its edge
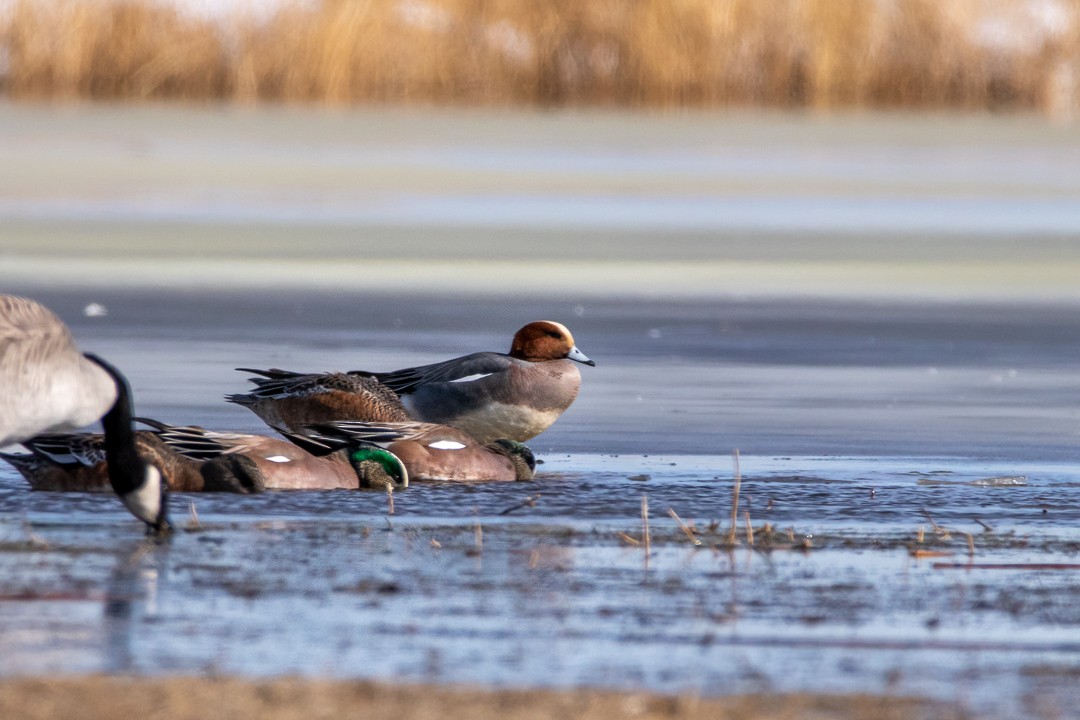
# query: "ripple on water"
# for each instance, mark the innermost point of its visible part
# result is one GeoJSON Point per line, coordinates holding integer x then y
{"type": "Point", "coordinates": [555, 593]}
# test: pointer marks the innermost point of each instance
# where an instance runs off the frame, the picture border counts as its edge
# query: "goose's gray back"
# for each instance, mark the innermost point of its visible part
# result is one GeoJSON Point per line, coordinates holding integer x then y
{"type": "Point", "coordinates": [46, 385]}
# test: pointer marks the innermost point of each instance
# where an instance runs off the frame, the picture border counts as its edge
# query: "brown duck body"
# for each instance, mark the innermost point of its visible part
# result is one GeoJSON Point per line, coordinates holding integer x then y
{"type": "Point", "coordinates": [291, 401]}
{"type": "Point", "coordinates": [220, 462]}
{"type": "Point", "coordinates": [85, 469]}
{"type": "Point", "coordinates": [435, 452]}
{"type": "Point", "coordinates": [275, 464]}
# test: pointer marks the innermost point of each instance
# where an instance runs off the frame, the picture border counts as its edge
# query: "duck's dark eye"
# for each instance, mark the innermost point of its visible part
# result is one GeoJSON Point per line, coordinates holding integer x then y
{"type": "Point", "coordinates": [555, 334]}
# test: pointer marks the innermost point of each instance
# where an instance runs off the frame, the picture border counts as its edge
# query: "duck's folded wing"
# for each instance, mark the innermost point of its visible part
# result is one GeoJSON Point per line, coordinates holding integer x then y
{"type": "Point", "coordinates": [194, 442]}
{"type": "Point", "coordinates": [69, 448]}
{"type": "Point", "coordinates": [341, 433]}
{"type": "Point", "coordinates": [462, 369]}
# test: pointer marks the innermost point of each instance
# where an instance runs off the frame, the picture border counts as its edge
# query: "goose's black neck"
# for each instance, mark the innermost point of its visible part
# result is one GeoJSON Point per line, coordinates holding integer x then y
{"type": "Point", "coordinates": [127, 471]}
{"type": "Point", "coordinates": [125, 467]}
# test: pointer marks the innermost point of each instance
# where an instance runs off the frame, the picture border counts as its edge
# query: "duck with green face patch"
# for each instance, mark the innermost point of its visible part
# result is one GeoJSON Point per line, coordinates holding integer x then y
{"type": "Point", "coordinates": [429, 452]}
{"type": "Point", "coordinates": [191, 459]}
{"type": "Point", "coordinates": [268, 463]}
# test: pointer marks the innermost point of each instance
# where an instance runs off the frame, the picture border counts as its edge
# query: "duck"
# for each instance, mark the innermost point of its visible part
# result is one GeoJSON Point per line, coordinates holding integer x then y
{"type": "Point", "coordinates": [488, 395]}
{"type": "Point", "coordinates": [307, 409]}
{"type": "Point", "coordinates": [76, 462]}
{"type": "Point", "coordinates": [429, 451]}
{"type": "Point", "coordinates": [193, 459]}
{"type": "Point", "coordinates": [47, 385]}
{"type": "Point", "coordinates": [291, 401]}
{"type": "Point", "coordinates": [269, 463]}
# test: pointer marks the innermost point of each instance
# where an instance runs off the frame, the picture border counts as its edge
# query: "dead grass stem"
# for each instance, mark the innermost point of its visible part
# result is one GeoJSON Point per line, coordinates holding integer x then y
{"type": "Point", "coordinates": [731, 539]}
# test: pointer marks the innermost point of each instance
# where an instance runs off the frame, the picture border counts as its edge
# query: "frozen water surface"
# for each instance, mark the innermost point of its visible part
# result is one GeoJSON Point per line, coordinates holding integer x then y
{"type": "Point", "coordinates": [907, 449]}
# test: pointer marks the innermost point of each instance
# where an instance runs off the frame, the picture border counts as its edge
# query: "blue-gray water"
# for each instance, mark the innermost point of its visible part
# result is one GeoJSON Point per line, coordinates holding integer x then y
{"type": "Point", "coordinates": [879, 314]}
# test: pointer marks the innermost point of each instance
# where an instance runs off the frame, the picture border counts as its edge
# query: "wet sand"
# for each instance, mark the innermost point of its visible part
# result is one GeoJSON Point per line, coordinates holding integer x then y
{"type": "Point", "coordinates": [207, 699]}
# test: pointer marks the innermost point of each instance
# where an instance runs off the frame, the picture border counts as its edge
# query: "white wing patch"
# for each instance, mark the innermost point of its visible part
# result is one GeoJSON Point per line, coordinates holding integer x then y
{"type": "Point", "coordinates": [446, 445]}
{"type": "Point", "coordinates": [471, 378]}
{"type": "Point", "coordinates": [278, 459]}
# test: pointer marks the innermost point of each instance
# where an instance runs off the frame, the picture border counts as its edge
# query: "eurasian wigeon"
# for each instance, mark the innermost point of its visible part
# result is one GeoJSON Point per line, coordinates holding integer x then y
{"type": "Point", "coordinates": [47, 385]}
{"type": "Point", "coordinates": [489, 395]}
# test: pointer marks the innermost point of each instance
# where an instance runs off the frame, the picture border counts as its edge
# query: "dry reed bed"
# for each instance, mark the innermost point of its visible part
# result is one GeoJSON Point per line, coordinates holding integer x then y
{"type": "Point", "coordinates": [782, 53]}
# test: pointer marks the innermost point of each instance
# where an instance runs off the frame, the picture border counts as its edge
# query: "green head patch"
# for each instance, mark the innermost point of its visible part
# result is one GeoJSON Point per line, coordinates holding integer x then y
{"type": "Point", "coordinates": [377, 467]}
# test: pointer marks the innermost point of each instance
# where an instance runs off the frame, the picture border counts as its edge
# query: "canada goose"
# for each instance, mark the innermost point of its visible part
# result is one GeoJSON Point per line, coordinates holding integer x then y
{"type": "Point", "coordinates": [47, 385]}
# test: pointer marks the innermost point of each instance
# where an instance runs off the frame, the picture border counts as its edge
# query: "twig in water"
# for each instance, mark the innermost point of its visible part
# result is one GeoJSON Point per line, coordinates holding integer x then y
{"type": "Point", "coordinates": [749, 530]}
{"type": "Point", "coordinates": [389, 499]}
{"type": "Point", "coordinates": [193, 517]}
{"type": "Point", "coordinates": [683, 526]}
{"type": "Point", "coordinates": [735, 500]}
{"type": "Point", "coordinates": [530, 501]}
{"type": "Point", "coordinates": [937, 528]}
{"type": "Point", "coordinates": [32, 537]}
{"type": "Point", "coordinates": [645, 527]}
{"type": "Point", "coordinates": [921, 535]}
{"type": "Point", "coordinates": [971, 545]}
{"type": "Point", "coordinates": [627, 539]}
{"type": "Point", "coordinates": [478, 536]}
{"type": "Point", "coordinates": [985, 527]}
{"type": "Point", "coordinates": [435, 544]}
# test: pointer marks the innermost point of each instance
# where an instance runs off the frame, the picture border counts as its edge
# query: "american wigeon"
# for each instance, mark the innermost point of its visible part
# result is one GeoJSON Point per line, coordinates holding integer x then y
{"type": "Point", "coordinates": [192, 459]}
{"type": "Point", "coordinates": [269, 463]}
{"type": "Point", "coordinates": [47, 385]}
{"type": "Point", "coordinates": [489, 395]}
{"type": "Point", "coordinates": [431, 452]}
{"type": "Point", "coordinates": [77, 462]}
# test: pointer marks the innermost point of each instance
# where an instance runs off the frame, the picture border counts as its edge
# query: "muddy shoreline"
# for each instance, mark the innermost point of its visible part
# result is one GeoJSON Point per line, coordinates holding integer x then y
{"type": "Point", "coordinates": [94, 697]}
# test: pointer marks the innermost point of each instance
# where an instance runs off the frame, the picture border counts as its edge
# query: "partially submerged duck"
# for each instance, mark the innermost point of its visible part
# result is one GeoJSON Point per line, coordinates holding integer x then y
{"type": "Point", "coordinates": [270, 463]}
{"type": "Point", "coordinates": [192, 459]}
{"type": "Point", "coordinates": [430, 452]}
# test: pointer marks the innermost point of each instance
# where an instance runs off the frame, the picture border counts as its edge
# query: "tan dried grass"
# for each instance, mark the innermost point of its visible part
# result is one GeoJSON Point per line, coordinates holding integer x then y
{"type": "Point", "coordinates": [697, 53]}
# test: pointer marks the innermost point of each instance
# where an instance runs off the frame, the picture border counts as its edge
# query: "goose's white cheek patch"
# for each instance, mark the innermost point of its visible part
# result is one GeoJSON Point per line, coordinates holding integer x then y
{"type": "Point", "coordinates": [278, 459]}
{"type": "Point", "coordinates": [446, 445]}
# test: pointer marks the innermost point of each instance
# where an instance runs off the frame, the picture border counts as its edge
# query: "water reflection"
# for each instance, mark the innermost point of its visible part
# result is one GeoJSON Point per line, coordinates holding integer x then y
{"type": "Point", "coordinates": [131, 597]}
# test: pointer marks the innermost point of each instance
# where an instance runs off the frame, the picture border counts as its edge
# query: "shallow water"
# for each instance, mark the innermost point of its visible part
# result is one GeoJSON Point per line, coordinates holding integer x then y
{"type": "Point", "coordinates": [949, 410]}
{"type": "Point", "coordinates": [329, 583]}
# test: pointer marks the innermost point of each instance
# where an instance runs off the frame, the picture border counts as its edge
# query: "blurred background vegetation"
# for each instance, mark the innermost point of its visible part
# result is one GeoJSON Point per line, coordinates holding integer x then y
{"type": "Point", "coordinates": [955, 54]}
